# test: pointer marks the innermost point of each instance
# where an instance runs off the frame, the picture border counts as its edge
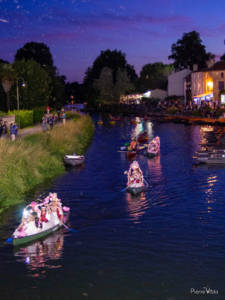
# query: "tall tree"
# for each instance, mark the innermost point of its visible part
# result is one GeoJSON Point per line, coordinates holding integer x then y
{"type": "Point", "coordinates": [104, 84]}
{"type": "Point", "coordinates": [113, 60]}
{"type": "Point", "coordinates": [37, 89]}
{"type": "Point", "coordinates": [154, 76]}
{"type": "Point", "coordinates": [8, 77]}
{"type": "Point", "coordinates": [189, 51]}
{"type": "Point", "coordinates": [123, 84]}
{"type": "Point", "coordinates": [38, 52]}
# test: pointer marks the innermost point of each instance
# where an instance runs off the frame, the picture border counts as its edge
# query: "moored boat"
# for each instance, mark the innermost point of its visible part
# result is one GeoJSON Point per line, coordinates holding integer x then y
{"type": "Point", "coordinates": [210, 157]}
{"type": "Point", "coordinates": [74, 160]}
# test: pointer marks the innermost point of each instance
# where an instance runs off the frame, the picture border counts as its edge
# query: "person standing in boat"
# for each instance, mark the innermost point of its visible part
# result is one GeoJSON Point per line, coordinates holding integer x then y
{"type": "Point", "coordinates": [133, 145]}
{"type": "Point", "coordinates": [135, 176]}
{"type": "Point", "coordinates": [56, 216]}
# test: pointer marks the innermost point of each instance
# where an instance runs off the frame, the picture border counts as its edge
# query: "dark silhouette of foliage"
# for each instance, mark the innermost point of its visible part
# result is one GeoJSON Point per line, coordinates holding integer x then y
{"type": "Point", "coordinates": [114, 60]}
{"type": "Point", "coordinates": [38, 52]}
{"type": "Point", "coordinates": [154, 76]}
{"type": "Point", "coordinates": [189, 51]}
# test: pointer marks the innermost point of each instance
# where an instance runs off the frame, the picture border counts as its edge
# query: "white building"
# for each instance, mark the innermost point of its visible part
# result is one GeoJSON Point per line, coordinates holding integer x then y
{"type": "Point", "coordinates": [158, 94]}
{"type": "Point", "coordinates": [176, 83]}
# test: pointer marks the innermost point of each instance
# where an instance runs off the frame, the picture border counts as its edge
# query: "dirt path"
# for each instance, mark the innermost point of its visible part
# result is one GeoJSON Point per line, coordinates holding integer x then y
{"type": "Point", "coordinates": [30, 130]}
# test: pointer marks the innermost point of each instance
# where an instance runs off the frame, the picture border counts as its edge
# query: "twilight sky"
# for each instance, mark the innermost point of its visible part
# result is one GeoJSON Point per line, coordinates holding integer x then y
{"type": "Point", "coordinates": [77, 30]}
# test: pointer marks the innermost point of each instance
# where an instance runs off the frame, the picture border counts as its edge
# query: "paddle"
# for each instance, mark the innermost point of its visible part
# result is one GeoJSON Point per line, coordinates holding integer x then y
{"type": "Point", "coordinates": [68, 228]}
{"type": "Point", "coordinates": [123, 190]}
{"type": "Point", "coordinates": [9, 240]}
{"type": "Point", "coordinates": [147, 183]}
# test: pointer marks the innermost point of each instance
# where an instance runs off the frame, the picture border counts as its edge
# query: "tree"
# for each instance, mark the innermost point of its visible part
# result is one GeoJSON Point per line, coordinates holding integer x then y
{"type": "Point", "coordinates": [104, 84]}
{"type": "Point", "coordinates": [37, 89]}
{"type": "Point", "coordinates": [154, 76]}
{"type": "Point", "coordinates": [114, 60]}
{"type": "Point", "coordinates": [189, 51]}
{"type": "Point", "coordinates": [38, 52]}
{"type": "Point", "coordinates": [222, 57]}
{"type": "Point", "coordinates": [8, 77]}
{"type": "Point", "coordinates": [123, 85]}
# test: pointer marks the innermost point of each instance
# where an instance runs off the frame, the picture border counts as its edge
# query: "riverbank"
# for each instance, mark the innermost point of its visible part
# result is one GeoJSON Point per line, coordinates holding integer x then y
{"type": "Point", "coordinates": [188, 120]}
{"type": "Point", "coordinates": [37, 158]}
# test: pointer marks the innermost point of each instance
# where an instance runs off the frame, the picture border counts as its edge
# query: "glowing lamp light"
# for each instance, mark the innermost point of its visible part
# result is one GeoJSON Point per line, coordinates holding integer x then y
{"type": "Point", "coordinates": [147, 94]}
{"type": "Point", "coordinates": [210, 84]}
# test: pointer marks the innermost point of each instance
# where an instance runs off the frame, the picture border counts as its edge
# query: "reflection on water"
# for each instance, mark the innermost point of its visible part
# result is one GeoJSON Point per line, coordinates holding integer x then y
{"type": "Point", "coordinates": [211, 180]}
{"type": "Point", "coordinates": [137, 129]}
{"type": "Point", "coordinates": [154, 166]}
{"type": "Point", "coordinates": [149, 129]}
{"type": "Point", "coordinates": [42, 254]}
{"type": "Point", "coordinates": [136, 206]}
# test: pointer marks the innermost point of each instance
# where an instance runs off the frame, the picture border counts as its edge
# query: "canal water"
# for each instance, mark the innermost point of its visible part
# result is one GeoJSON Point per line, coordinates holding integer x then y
{"type": "Point", "coordinates": [169, 243]}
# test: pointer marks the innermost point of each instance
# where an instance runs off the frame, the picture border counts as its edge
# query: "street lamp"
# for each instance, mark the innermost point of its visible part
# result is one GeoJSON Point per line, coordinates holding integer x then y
{"type": "Point", "coordinates": [17, 94]}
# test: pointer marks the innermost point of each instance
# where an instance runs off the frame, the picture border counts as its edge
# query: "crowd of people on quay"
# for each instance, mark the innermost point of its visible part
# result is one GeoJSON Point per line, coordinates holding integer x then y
{"type": "Point", "coordinates": [207, 109]}
{"type": "Point", "coordinates": [41, 216]}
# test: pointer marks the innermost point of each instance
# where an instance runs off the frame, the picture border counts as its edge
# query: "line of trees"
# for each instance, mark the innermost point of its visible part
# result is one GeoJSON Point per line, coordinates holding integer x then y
{"type": "Point", "coordinates": [109, 77]}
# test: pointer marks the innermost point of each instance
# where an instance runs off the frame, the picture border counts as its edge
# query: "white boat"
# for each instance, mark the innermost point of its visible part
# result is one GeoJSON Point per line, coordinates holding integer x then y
{"type": "Point", "coordinates": [74, 160]}
{"type": "Point", "coordinates": [210, 157]}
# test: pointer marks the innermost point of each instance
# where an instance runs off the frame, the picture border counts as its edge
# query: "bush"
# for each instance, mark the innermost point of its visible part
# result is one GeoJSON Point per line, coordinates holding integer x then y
{"type": "Point", "coordinates": [38, 114]}
{"type": "Point", "coordinates": [24, 118]}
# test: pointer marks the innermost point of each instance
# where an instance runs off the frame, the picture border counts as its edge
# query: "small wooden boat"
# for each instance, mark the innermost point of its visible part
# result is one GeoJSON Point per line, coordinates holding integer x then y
{"type": "Point", "coordinates": [131, 154]}
{"type": "Point", "coordinates": [136, 190]}
{"type": "Point", "coordinates": [17, 241]}
{"type": "Point", "coordinates": [74, 160]}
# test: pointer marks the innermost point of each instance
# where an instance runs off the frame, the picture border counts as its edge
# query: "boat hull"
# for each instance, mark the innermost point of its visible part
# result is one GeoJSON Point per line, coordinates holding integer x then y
{"type": "Point", "coordinates": [136, 191]}
{"type": "Point", "coordinates": [73, 162]}
{"type": "Point", "coordinates": [150, 155]}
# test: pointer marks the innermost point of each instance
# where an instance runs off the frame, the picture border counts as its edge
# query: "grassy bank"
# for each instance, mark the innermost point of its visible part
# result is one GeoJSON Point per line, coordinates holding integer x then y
{"type": "Point", "coordinates": [30, 162]}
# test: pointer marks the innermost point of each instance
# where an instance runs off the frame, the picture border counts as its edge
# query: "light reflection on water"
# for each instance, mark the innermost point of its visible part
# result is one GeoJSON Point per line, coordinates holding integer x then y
{"type": "Point", "coordinates": [42, 254]}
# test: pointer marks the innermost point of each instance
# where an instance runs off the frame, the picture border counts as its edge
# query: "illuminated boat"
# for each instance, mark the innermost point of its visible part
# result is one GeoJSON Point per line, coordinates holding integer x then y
{"type": "Point", "coordinates": [20, 237]}
{"type": "Point", "coordinates": [153, 148]}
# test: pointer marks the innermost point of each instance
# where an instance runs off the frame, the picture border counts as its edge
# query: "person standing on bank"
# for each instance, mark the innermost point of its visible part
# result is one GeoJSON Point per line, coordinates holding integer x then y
{"type": "Point", "coordinates": [63, 116]}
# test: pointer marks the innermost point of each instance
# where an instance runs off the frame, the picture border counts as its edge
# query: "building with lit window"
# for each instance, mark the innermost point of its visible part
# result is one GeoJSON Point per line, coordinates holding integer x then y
{"type": "Point", "coordinates": [207, 84]}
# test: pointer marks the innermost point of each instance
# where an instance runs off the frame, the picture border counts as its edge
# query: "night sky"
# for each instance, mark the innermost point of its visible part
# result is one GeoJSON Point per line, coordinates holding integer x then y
{"type": "Point", "coordinates": [77, 30]}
